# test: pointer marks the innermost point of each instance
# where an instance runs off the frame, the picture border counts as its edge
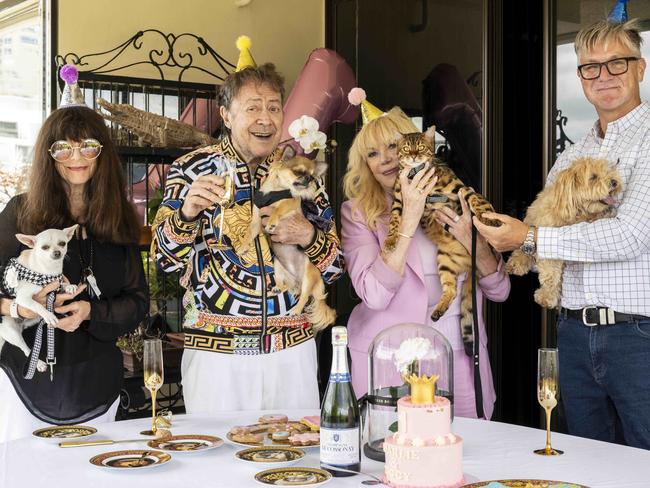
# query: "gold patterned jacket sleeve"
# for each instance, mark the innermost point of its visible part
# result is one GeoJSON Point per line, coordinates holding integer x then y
{"type": "Point", "coordinates": [325, 249]}
{"type": "Point", "coordinates": [172, 238]}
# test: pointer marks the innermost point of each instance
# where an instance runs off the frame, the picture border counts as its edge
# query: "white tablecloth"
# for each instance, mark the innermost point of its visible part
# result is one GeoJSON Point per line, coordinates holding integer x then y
{"type": "Point", "coordinates": [492, 450]}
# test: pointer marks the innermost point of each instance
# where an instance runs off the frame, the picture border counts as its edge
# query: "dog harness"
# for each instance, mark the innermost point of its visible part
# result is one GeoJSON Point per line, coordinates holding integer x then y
{"type": "Point", "coordinates": [40, 279]}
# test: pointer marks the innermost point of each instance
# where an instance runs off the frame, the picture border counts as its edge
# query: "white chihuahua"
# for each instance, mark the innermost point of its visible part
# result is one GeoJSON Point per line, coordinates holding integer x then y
{"type": "Point", "coordinates": [44, 260]}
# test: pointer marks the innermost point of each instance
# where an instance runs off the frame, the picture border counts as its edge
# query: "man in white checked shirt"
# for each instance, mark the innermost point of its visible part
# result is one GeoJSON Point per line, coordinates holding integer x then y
{"type": "Point", "coordinates": [604, 322]}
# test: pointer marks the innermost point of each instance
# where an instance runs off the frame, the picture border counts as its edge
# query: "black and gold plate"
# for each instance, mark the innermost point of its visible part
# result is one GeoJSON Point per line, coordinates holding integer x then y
{"type": "Point", "coordinates": [293, 477]}
{"type": "Point", "coordinates": [64, 432]}
{"type": "Point", "coordinates": [521, 483]}
{"type": "Point", "coordinates": [132, 459]}
{"type": "Point", "coordinates": [271, 456]}
{"type": "Point", "coordinates": [186, 443]}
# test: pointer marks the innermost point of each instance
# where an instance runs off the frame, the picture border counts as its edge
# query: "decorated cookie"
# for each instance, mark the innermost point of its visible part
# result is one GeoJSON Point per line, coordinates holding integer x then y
{"type": "Point", "coordinates": [271, 419]}
{"type": "Point", "coordinates": [312, 421]}
{"type": "Point", "coordinates": [248, 438]}
{"type": "Point", "coordinates": [308, 439]}
{"type": "Point", "coordinates": [281, 436]}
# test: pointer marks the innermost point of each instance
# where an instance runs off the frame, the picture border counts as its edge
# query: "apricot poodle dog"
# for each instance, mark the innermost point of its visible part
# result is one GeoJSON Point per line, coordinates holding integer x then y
{"type": "Point", "coordinates": [583, 192]}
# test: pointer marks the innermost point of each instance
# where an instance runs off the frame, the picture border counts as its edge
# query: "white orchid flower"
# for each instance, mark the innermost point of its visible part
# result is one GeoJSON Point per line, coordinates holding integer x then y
{"type": "Point", "coordinates": [303, 127]}
{"type": "Point", "coordinates": [314, 141]}
{"type": "Point", "coordinates": [410, 351]}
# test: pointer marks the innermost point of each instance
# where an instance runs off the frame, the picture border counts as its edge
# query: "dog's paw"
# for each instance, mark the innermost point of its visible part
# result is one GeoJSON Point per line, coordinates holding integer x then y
{"type": "Point", "coordinates": [69, 288]}
{"type": "Point", "coordinates": [545, 298]}
{"type": "Point", "coordinates": [50, 318]}
{"type": "Point", "coordinates": [516, 267]}
{"type": "Point", "coordinates": [41, 366]}
{"type": "Point", "coordinates": [280, 288]}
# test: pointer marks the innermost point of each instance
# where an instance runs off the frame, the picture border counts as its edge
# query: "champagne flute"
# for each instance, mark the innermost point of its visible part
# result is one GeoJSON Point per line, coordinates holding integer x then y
{"type": "Point", "coordinates": [226, 169]}
{"type": "Point", "coordinates": [154, 376]}
{"type": "Point", "coordinates": [547, 393]}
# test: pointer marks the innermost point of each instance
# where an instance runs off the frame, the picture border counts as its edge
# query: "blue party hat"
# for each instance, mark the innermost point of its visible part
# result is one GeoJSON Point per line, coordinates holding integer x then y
{"type": "Point", "coordinates": [618, 15]}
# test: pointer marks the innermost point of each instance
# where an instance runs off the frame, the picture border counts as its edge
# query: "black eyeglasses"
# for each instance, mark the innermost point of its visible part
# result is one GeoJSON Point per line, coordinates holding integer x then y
{"type": "Point", "coordinates": [615, 67]}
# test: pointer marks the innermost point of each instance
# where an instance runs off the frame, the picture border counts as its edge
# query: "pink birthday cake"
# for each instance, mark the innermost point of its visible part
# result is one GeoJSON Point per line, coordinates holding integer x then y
{"type": "Point", "coordinates": [424, 452]}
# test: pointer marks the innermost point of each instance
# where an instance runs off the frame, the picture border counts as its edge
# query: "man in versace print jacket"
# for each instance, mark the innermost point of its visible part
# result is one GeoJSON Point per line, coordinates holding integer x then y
{"type": "Point", "coordinates": [243, 348]}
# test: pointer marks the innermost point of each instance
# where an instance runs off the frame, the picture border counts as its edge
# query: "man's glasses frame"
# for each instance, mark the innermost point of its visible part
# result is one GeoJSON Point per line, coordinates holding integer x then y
{"type": "Point", "coordinates": [614, 67]}
{"type": "Point", "coordinates": [58, 146]}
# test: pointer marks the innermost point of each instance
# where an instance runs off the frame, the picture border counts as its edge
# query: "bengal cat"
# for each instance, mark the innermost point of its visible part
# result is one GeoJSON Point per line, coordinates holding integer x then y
{"type": "Point", "coordinates": [416, 153]}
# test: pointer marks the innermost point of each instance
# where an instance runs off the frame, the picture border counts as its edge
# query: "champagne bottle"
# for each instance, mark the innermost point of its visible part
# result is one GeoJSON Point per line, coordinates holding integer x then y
{"type": "Point", "coordinates": [340, 432]}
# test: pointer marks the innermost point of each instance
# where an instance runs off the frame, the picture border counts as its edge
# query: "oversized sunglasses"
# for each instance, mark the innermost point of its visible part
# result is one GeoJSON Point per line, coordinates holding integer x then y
{"type": "Point", "coordinates": [62, 151]}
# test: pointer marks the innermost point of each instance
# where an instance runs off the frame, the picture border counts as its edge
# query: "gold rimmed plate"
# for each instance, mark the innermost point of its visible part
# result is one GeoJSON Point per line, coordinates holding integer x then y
{"type": "Point", "coordinates": [293, 477]}
{"type": "Point", "coordinates": [186, 443]}
{"type": "Point", "coordinates": [132, 459]}
{"type": "Point", "coordinates": [59, 432]}
{"type": "Point", "coordinates": [521, 483]}
{"type": "Point", "coordinates": [270, 456]}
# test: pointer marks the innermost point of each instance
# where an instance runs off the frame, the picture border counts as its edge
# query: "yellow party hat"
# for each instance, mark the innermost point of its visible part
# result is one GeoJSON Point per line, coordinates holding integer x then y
{"type": "Point", "coordinates": [357, 96]}
{"type": "Point", "coordinates": [245, 57]}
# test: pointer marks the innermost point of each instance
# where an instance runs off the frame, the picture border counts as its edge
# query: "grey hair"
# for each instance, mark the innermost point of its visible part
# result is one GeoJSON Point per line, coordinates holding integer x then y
{"type": "Point", "coordinates": [264, 74]}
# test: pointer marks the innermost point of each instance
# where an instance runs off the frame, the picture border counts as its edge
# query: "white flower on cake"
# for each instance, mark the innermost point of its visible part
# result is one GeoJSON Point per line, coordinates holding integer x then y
{"type": "Point", "coordinates": [305, 131]}
{"type": "Point", "coordinates": [418, 442]}
{"type": "Point", "coordinates": [451, 437]}
{"type": "Point", "coordinates": [440, 440]}
{"type": "Point", "coordinates": [410, 351]}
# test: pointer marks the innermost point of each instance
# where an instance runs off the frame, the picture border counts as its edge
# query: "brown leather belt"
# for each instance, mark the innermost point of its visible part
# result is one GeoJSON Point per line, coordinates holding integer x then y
{"type": "Point", "coordinates": [592, 316]}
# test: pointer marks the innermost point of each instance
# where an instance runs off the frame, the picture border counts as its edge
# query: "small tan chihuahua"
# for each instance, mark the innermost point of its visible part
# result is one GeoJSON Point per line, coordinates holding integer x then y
{"type": "Point", "coordinates": [292, 179]}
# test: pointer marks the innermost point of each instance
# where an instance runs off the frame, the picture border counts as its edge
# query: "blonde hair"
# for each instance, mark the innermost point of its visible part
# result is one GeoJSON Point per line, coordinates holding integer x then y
{"type": "Point", "coordinates": [359, 184]}
{"type": "Point", "coordinates": [604, 32]}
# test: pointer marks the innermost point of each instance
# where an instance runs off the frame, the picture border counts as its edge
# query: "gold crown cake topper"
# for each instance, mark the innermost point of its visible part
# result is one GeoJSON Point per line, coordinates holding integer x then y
{"type": "Point", "coordinates": [423, 388]}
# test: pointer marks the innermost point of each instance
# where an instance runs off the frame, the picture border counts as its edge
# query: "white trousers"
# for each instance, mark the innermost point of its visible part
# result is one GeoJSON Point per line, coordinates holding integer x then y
{"type": "Point", "coordinates": [16, 421]}
{"type": "Point", "coordinates": [281, 380]}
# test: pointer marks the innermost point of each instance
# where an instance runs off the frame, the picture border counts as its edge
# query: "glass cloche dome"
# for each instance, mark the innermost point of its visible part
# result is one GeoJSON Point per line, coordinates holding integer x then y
{"type": "Point", "coordinates": [401, 350]}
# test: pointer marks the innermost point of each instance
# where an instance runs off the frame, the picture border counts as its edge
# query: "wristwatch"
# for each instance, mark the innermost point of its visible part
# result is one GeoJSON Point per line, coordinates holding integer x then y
{"type": "Point", "coordinates": [529, 246]}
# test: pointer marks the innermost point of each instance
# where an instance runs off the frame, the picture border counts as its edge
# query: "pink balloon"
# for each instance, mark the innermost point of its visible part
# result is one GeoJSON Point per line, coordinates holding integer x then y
{"type": "Point", "coordinates": [321, 92]}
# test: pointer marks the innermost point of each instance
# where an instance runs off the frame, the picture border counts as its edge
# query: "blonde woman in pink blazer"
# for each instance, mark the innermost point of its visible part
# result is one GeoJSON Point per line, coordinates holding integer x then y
{"type": "Point", "coordinates": [403, 285]}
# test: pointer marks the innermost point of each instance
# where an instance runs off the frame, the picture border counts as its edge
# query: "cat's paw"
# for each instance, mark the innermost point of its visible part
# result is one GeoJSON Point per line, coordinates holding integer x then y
{"type": "Point", "coordinates": [546, 298]}
{"type": "Point", "coordinates": [390, 243]}
{"type": "Point", "coordinates": [437, 313]}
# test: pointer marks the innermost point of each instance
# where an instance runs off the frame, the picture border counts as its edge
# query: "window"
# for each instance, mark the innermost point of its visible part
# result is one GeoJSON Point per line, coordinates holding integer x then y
{"type": "Point", "coordinates": [8, 129]}
{"type": "Point", "coordinates": [21, 93]}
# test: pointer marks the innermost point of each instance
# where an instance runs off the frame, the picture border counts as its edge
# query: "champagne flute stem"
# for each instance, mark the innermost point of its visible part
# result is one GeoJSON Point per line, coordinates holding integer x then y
{"type": "Point", "coordinates": [153, 410]}
{"type": "Point", "coordinates": [221, 228]}
{"type": "Point", "coordinates": [548, 429]}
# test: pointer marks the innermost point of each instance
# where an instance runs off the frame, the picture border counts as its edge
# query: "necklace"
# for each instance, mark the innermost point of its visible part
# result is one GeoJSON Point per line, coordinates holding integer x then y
{"type": "Point", "coordinates": [87, 267]}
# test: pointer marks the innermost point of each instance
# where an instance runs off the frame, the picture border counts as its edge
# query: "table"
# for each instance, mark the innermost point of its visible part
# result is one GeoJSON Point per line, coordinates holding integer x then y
{"type": "Point", "coordinates": [492, 450]}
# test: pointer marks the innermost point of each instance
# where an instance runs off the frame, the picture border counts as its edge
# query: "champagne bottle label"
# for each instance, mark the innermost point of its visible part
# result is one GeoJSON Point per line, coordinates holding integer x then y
{"type": "Point", "coordinates": [339, 447]}
{"type": "Point", "coordinates": [340, 378]}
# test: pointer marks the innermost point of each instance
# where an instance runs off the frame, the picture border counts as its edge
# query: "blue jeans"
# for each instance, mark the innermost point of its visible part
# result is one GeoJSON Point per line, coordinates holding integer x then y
{"type": "Point", "coordinates": [605, 379]}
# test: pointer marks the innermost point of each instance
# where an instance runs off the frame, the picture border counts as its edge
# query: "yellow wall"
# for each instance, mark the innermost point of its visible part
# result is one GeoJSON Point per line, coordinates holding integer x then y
{"type": "Point", "coordinates": [282, 31]}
